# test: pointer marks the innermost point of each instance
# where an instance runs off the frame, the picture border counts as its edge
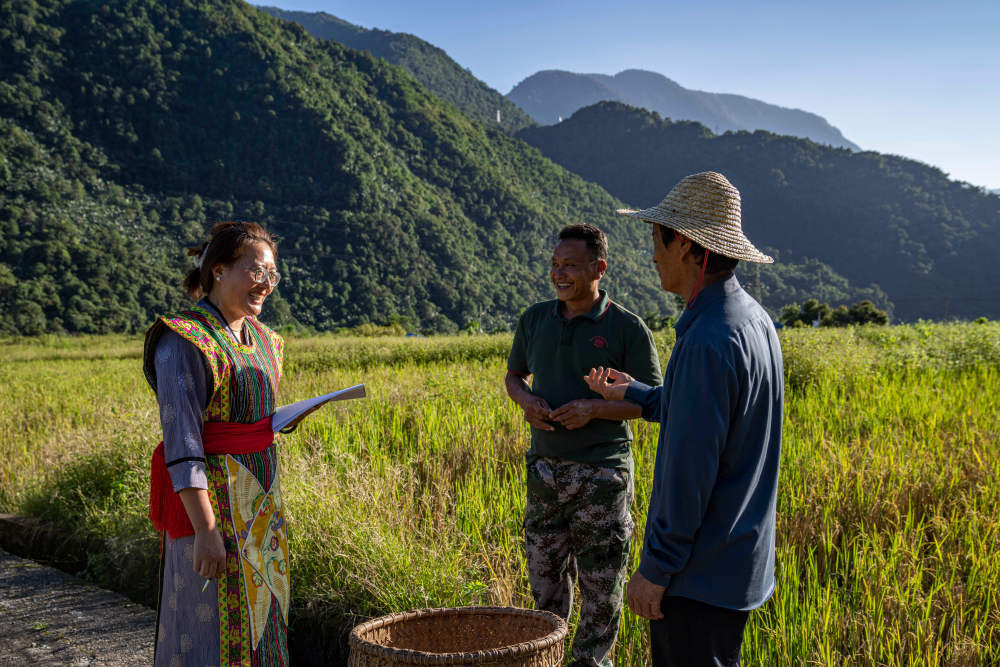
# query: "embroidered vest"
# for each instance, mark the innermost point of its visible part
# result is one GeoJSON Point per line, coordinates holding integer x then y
{"type": "Point", "coordinates": [244, 377]}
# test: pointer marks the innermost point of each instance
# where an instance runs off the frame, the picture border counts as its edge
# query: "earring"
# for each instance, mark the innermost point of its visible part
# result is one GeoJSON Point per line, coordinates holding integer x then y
{"type": "Point", "coordinates": [218, 277]}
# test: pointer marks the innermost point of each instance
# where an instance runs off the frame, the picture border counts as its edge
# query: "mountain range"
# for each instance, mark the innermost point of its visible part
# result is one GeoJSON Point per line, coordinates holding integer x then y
{"type": "Point", "coordinates": [901, 276]}
{"type": "Point", "coordinates": [127, 128]}
{"type": "Point", "coordinates": [551, 95]}
{"type": "Point", "coordinates": [825, 271]}
{"type": "Point", "coordinates": [928, 242]}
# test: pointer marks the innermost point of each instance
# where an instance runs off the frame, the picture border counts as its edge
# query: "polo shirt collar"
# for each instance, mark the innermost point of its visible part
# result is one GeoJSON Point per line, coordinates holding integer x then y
{"type": "Point", "coordinates": [599, 310]}
{"type": "Point", "coordinates": [706, 297]}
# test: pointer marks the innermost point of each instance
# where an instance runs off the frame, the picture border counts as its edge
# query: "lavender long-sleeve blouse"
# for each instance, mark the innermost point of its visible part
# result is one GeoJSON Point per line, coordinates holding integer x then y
{"type": "Point", "coordinates": [182, 394]}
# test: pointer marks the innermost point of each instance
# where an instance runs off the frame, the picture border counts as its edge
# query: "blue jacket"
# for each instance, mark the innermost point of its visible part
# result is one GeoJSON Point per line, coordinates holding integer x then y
{"type": "Point", "coordinates": [711, 521]}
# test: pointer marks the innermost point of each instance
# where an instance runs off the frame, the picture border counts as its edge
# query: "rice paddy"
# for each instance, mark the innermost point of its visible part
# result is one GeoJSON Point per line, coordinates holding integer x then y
{"type": "Point", "coordinates": [888, 522]}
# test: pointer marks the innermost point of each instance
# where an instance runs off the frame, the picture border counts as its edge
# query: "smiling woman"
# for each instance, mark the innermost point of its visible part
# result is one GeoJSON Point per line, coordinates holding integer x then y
{"type": "Point", "coordinates": [214, 482]}
{"type": "Point", "coordinates": [235, 270]}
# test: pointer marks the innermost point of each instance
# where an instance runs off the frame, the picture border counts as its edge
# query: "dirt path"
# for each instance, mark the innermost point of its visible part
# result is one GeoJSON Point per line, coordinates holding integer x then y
{"type": "Point", "coordinates": [48, 617]}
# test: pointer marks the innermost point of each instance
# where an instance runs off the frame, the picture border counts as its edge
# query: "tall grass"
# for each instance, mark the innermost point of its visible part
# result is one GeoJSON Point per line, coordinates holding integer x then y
{"type": "Point", "coordinates": [888, 529]}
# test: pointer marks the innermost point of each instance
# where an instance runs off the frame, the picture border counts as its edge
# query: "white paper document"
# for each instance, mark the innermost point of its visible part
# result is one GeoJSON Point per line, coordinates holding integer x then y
{"type": "Point", "coordinates": [287, 417]}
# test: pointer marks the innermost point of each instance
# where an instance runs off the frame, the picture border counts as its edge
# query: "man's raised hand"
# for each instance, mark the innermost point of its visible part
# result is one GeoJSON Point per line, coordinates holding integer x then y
{"type": "Point", "coordinates": [608, 382]}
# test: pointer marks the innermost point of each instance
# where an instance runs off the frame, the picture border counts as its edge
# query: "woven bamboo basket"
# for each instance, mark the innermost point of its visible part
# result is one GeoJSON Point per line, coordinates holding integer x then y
{"type": "Point", "coordinates": [491, 636]}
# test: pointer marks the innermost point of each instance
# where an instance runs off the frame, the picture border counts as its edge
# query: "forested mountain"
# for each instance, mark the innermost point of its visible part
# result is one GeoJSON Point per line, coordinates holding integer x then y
{"type": "Point", "coordinates": [125, 128]}
{"type": "Point", "coordinates": [429, 65]}
{"type": "Point", "coordinates": [931, 243]}
{"type": "Point", "coordinates": [550, 95]}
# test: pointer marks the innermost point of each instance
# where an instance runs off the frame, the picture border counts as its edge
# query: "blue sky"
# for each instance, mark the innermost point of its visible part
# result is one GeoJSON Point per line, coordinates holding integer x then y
{"type": "Point", "coordinates": [920, 79]}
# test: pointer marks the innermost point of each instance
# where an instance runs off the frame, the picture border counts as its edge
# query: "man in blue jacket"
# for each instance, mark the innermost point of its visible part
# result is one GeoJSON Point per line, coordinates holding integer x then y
{"type": "Point", "coordinates": [708, 554]}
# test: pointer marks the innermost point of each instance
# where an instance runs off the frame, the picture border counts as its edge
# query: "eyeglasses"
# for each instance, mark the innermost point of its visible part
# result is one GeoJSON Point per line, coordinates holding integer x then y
{"type": "Point", "coordinates": [261, 275]}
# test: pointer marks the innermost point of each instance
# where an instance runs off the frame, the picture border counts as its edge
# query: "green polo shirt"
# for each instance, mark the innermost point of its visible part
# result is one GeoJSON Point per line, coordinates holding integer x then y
{"type": "Point", "coordinates": [558, 352]}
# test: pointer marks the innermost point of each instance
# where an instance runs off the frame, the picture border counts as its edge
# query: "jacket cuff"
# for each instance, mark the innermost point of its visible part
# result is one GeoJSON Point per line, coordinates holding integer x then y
{"type": "Point", "coordinates": [188, 475]}
{"type": "Point", "coordinates": [653, 574]}
{"type": "Point", "coordinates": [646, 397]}
{"type": "Point", "coordinates": [637, 392]}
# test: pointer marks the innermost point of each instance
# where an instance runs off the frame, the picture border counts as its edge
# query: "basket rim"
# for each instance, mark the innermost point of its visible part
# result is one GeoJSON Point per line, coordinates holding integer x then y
{"type": "Point", "coordinates": [555, 636]}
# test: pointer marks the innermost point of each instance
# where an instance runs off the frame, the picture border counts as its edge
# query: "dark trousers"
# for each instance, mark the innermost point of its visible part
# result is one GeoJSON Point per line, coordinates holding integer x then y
{"type": "Point", "coordinates": [692, 634]}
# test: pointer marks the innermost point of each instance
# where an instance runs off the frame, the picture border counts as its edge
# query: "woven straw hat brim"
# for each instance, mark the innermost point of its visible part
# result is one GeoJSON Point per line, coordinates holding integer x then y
{"type": "Point", "coordinates": [728, 241]}
{"type": "Point", "coordinates": [705, 207]}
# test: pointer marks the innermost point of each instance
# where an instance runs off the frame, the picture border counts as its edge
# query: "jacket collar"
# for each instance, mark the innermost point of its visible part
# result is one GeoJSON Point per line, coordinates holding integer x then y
{"type": "Point", "coordinates": [706, 297]}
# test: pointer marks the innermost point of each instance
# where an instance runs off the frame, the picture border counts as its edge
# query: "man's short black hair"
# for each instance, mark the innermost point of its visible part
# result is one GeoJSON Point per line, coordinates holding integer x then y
{"type": "Point", "coordinates": [597, 242]}
{"type": "Point", "coordinates": [716, 263]}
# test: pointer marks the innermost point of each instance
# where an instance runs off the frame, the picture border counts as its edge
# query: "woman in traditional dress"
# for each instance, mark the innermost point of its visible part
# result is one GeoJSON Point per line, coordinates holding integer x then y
{"type": "Point", "coordinates": [214, 487]}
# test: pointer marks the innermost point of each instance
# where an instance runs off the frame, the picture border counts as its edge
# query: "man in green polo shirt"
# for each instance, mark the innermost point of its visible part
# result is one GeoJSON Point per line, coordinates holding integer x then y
{"type": "Point", "coordinates": [579, 466]}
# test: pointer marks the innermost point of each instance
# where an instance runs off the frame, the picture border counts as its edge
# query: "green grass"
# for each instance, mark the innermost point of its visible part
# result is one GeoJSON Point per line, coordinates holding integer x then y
{"type": "Point", "coordinates": [888, 529]}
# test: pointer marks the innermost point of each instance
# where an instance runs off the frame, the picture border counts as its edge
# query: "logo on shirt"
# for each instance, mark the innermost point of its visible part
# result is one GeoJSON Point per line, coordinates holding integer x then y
{"type": "Point", "coordinates": [599, 341]}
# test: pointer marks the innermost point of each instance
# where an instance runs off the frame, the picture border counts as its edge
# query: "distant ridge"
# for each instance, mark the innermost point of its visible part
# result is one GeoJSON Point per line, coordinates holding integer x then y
{"type": "Point", "coordinates": [550, 95]}
{"type": "Point", "coordinates": [428, 64]}
{"type": "Point", "coordinates": [885, 222]}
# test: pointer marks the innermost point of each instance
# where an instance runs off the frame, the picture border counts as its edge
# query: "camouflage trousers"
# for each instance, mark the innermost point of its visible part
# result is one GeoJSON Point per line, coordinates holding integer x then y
{"type": "Point", "coordinates": [577, 526]}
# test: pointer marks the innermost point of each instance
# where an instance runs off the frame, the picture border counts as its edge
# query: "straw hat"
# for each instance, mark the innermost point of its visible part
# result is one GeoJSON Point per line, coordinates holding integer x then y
{"type": "Point", "coordinates": [705, 207]}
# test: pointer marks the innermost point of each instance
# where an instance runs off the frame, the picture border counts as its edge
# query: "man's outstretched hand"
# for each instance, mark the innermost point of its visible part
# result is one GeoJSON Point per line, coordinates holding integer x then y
{"type": "Point", "coordinates": [608, 382]}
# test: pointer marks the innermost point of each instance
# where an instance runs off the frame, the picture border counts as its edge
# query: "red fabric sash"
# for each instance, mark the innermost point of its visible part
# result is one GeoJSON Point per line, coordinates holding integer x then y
{"type": "Point", "coordinates": [165, 507]}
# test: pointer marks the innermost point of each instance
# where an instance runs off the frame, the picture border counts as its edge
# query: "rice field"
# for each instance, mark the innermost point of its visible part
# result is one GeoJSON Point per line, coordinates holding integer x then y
{"type": "Point", "coordinates": [888, 501]}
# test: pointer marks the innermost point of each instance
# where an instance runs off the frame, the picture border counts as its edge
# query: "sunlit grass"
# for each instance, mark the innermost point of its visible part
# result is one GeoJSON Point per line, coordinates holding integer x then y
{"type": "Point", "coordinates": [889, 533]}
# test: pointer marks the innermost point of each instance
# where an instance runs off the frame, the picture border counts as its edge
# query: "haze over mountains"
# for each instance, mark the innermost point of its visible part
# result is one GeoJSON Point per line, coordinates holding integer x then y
{"type": "Point", "coordinates": [551, 95]}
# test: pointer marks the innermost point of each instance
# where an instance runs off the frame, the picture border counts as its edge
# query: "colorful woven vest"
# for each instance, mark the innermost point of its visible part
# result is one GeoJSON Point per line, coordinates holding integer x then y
{"type": "Point", "coordinates": [244, 377]}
